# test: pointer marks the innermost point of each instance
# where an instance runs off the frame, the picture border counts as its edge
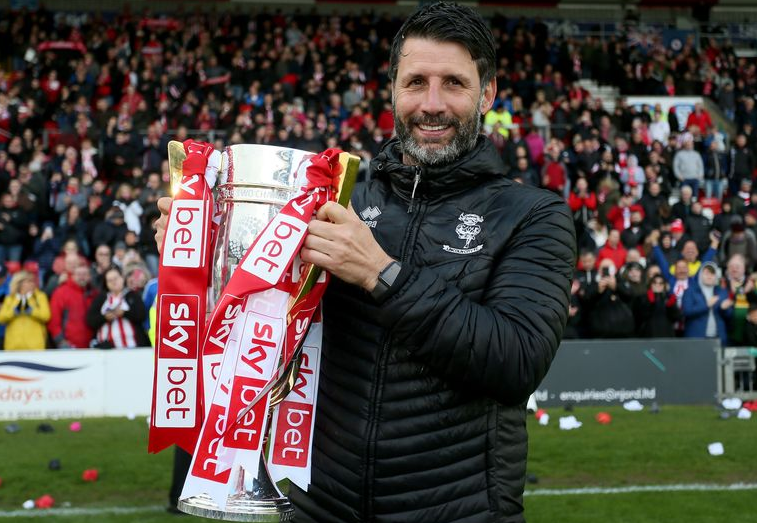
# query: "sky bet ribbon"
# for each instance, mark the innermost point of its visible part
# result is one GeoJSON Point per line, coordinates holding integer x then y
{"type": "Point", "coordinates": [254, 321]}
{"type": "Point", "coordinates": [185, 260]}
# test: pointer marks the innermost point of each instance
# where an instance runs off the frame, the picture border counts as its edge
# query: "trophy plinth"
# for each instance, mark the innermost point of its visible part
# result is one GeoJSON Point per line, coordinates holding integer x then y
{"type": "Point", "coordinates": [261, 502]}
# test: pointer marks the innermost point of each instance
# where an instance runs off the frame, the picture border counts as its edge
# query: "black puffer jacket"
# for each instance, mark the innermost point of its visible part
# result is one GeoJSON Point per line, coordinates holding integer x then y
{"type": "Point", "coordinates": [421, 413]}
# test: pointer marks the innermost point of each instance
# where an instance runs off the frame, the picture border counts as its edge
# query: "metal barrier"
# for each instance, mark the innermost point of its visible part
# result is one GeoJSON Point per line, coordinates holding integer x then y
{"type": "Point", "coordinates": [736, 373]}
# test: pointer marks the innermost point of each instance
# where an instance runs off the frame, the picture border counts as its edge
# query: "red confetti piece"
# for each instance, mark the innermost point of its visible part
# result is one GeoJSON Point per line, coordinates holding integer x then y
{"type": "Point", "coordinates": [603, 417]}
{"type": "Point", "coordinates": [45, 501]}
{"type": "Point", "coordinates": [90, 475]}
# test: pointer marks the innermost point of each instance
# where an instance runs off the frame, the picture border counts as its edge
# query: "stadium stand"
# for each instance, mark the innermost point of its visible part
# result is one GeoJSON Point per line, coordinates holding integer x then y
{"type": "Point", "coordinates": [645, 128]}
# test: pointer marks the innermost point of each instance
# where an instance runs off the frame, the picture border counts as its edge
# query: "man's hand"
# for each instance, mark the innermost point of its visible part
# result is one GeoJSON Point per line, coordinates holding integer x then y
{"type": "Point", "coordinates": [339, 242]}
{"type": "Point", "coordinates": [715, 239]}
{"type": "Point", "coordinates": [164, 206]}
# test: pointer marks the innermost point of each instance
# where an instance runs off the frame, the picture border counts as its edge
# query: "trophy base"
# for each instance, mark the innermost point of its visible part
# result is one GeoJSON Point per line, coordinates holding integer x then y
{"type": "Point", "coordinates": [239, 508]}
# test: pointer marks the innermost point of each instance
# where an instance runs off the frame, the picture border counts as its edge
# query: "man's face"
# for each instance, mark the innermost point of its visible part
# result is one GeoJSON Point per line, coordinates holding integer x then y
{"type": "Point", "coordinates": [438, 101]}
{"type": "Point", "coordinates": [682, 270]}
{"type": "Point", "coordinates": [708, 277]}
{"type": "Point", "coordinates": [81, 276]}
{"type": "Point", "coordinates": [587, 261]}
{"type": "Point", "coordinates": [690, 252]}
{"type": "Point", "coordinates": [736, 268]}
{"type": "Point", "coordinates": [613, 238]}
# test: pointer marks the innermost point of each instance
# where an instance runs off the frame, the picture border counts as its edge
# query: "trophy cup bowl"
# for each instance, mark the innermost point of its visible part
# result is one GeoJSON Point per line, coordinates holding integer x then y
{"type": "Point", "coordinates": [254, 183]}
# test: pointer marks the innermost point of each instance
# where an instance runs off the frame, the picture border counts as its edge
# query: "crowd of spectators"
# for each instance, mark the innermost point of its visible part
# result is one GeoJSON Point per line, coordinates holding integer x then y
{"type": "Point", "coordinates": [87, 106]}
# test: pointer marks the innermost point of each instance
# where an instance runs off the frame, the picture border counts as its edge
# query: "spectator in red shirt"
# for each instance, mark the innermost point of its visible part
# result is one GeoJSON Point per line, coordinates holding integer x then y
{"type": "Point", "coordinates": [620, 215]}
{"type": "Point", "coordinates": [68, 311]}
{"type": "Point", "coordinates": [130, 100]}
{"type": "Point", "coordinates": [613, 250]}
{"type": "Point", "coordinates": [583, 203]}
{"type": "Point", "coordinates": [554, 174]}
{"type": "Point", "coordinates": [699, 117]}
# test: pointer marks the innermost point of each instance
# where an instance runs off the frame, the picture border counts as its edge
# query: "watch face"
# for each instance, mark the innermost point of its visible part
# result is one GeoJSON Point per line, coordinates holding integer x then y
{"type": "Point", "coordinates": [386, 279]}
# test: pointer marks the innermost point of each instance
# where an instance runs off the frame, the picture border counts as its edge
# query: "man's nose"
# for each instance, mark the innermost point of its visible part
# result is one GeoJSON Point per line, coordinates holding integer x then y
{"type": "Point", "coordinates": [433, 99]}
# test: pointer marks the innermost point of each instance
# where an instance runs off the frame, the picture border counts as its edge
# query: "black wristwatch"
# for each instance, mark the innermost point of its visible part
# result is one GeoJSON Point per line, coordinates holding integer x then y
{"type": "Point", "coordinates": [385, 279]}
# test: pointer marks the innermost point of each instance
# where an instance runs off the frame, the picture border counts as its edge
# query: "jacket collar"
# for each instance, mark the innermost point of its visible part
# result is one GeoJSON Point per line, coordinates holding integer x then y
{"type": "Point", "coordinates": [478, 165]}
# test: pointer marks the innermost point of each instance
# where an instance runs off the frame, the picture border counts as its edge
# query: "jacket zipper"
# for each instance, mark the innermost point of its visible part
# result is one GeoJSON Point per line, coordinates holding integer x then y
{"type": "Point", "coordinates": [416, 181]}
{"type": "Point", "coordinates": [411, 233]}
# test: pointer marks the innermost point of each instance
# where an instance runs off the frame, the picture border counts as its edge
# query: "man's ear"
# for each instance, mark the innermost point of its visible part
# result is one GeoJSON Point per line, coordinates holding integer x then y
{"type": "Point", "coordinates": [490, 91]}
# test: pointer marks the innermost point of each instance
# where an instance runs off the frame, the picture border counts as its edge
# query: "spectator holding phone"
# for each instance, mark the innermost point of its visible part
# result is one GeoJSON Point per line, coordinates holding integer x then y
{"type": "Point", "coordinates": [656, 311]}
{"type": "Point", "coordinates": [608, 313]}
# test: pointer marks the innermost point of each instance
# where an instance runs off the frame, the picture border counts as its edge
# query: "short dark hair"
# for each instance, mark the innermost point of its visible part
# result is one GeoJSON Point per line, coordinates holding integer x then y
{"type": "Point", "coordinates": [448, 22]}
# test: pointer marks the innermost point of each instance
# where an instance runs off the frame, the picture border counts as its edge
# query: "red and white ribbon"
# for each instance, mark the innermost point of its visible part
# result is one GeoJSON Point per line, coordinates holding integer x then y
{"type": "Point", "coordinates": [176, 415]}
{"type": "Point", "coordinates": [250, 327]}
{"type": "Point", "coordinates": [293, 419]}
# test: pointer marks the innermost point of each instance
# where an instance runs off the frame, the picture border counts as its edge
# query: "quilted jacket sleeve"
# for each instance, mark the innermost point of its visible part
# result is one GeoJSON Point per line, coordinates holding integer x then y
{"type": "Point", "coordinates": [503, 345]}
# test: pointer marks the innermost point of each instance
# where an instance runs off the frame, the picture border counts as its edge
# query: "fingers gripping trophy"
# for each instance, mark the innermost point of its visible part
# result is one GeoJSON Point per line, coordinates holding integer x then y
{"type": "Point", "coordinates": [238, 324]}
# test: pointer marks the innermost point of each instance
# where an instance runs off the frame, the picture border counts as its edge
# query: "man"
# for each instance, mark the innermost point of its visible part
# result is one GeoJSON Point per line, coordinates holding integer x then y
{"type": "Point", "coordinates": [523, 173]}
{"type": "Point", "coordinates": [613, 250]}
{"type": "Point", "coordinates": [742, 163]}
{"type": "Point", "coordinates": [68, 311]}
{"type": "Point", "coordinates": [650, 204]}
{"type": "Point", "coordinates": [619, 216]}
{"type": "Point", "coordinates": [682, 208]}
{"type": "Point", "coordinates": [688, 166]}
{"type": "Point", "coordinates": [633, 236]}
{"type": "Point", "coordinates": [698, 226]}
{"type": "Point", "coordinates": [699, 117]}
{"type": "Point", "coordinates": [435, 332]}
{"type": "Point", "coordinates": [659, 129]}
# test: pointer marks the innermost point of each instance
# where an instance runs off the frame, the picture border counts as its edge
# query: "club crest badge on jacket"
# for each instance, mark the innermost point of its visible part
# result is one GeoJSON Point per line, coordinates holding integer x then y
{"type": "Point", "coordinates": [467, 230]}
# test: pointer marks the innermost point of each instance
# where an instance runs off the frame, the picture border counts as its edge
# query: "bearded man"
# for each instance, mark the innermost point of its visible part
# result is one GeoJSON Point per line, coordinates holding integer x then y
{"type": "Point", "coordinates": [450, 296]}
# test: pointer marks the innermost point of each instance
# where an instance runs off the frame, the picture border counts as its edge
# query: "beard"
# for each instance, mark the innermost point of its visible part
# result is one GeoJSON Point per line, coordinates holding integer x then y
{"type": "Point", "coordinates": [435, 153]}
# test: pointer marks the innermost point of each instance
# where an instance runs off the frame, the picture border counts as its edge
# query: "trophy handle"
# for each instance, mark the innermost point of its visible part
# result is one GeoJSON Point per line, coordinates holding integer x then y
{"type": "Point", "coordinates": [176, 157]}
{"type": "Point", "coordinates": [350, 166]}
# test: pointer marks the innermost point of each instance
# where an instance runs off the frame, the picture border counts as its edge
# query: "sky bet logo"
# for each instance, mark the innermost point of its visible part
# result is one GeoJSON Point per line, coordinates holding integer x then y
{"type": "Point", "coordinates": [184, 236]}
{"type": "Point", "coordinates": [175, 396]}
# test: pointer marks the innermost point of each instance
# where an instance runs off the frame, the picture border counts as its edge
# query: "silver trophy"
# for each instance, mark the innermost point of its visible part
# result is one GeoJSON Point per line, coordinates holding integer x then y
{"type": "Point", "coordinates": [254, 183]}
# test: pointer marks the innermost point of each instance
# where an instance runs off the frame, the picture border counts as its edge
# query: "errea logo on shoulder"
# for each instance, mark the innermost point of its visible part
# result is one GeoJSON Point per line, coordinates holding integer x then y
{"type": "Point", "coordinates": [369, 215]}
